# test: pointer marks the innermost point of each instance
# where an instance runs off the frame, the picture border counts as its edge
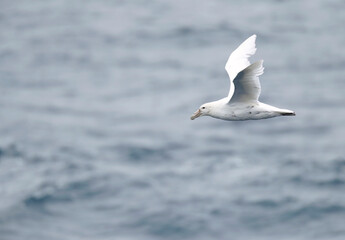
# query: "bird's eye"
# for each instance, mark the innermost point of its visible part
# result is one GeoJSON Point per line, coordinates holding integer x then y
{"type": "Point", "coordinates": [203, 108]}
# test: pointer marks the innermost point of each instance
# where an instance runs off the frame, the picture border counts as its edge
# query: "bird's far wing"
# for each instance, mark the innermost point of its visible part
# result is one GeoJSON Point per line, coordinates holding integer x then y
{"type": "Point", "coordinates": [238, 60]}
{"type": "Point", "coordinates": [247, 84]}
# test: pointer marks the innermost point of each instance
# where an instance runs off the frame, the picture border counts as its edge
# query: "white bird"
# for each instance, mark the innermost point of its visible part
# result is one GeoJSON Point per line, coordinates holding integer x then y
{"type": "Point", "coordinates": [242, 103]}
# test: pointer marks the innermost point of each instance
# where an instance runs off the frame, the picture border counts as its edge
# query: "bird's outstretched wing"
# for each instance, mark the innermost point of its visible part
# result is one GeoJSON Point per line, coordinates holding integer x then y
{"type": "Point", "coordinates": [247, 84]}
{"type": "Point", "coordinates": [238, 60]}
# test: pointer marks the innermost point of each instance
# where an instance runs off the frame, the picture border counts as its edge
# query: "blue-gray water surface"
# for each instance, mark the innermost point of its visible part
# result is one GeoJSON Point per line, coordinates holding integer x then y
{"type": "Point", "coordinates": [95, 136]}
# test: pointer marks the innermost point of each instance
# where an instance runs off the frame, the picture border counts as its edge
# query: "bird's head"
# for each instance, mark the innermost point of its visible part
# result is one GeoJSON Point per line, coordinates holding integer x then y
{"type": "Point", "coordinates": [203, 110]}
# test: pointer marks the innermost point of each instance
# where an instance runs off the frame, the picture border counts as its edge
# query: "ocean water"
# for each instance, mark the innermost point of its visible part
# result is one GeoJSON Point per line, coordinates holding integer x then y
{"type": "Point", "coordinates": [96, 140]}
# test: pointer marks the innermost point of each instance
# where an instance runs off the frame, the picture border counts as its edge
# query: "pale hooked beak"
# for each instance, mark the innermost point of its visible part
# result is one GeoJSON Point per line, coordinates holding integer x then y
{"type": "Point", "coordinates": [196, 114]}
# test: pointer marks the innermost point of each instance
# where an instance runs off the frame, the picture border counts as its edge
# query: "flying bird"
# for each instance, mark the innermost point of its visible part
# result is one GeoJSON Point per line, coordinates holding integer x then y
{"type": "Point", "coordinates": [242, 103]}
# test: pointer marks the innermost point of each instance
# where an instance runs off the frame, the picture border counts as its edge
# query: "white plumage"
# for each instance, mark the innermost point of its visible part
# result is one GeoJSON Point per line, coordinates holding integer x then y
{"type": "Point", "coordinates": [242, 102]}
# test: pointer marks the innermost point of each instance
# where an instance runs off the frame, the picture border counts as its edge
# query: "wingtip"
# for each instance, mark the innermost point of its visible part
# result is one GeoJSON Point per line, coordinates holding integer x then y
{"type": "Point", "coordinates": [253, 36]}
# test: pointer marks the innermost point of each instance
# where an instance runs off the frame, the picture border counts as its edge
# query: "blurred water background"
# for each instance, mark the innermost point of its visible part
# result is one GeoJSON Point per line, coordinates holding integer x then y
{"type": "Point", "coordinates": [96, 140]}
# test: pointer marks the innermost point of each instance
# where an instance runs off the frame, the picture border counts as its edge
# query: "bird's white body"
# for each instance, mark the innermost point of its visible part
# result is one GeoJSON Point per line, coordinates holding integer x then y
{"type": "Point", "coordinates": [242, 103]}
{"type": "Point", "coordinates": [244, 111]}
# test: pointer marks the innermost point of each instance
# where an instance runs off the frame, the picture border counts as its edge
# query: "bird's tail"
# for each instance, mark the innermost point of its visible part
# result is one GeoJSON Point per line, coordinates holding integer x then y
{"type": "Point", "coordinates": [286, 112]}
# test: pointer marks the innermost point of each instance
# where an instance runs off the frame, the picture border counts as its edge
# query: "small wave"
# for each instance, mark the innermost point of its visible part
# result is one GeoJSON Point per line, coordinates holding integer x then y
{"type": "Point", "coordinates": [136, 153]}
{"type": "Point", "coordinates": [266, 203]}
{"type": "Point", "coordinates": [10, 151]}
{"type": "Point", "coordinates": [92, 187]}
{"type": "Point", "coordinates": [312, 211]}
{"type": "Point", "coordinates": [44, 194]}
{"type": "Point", "coordinates": [331, 182]}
